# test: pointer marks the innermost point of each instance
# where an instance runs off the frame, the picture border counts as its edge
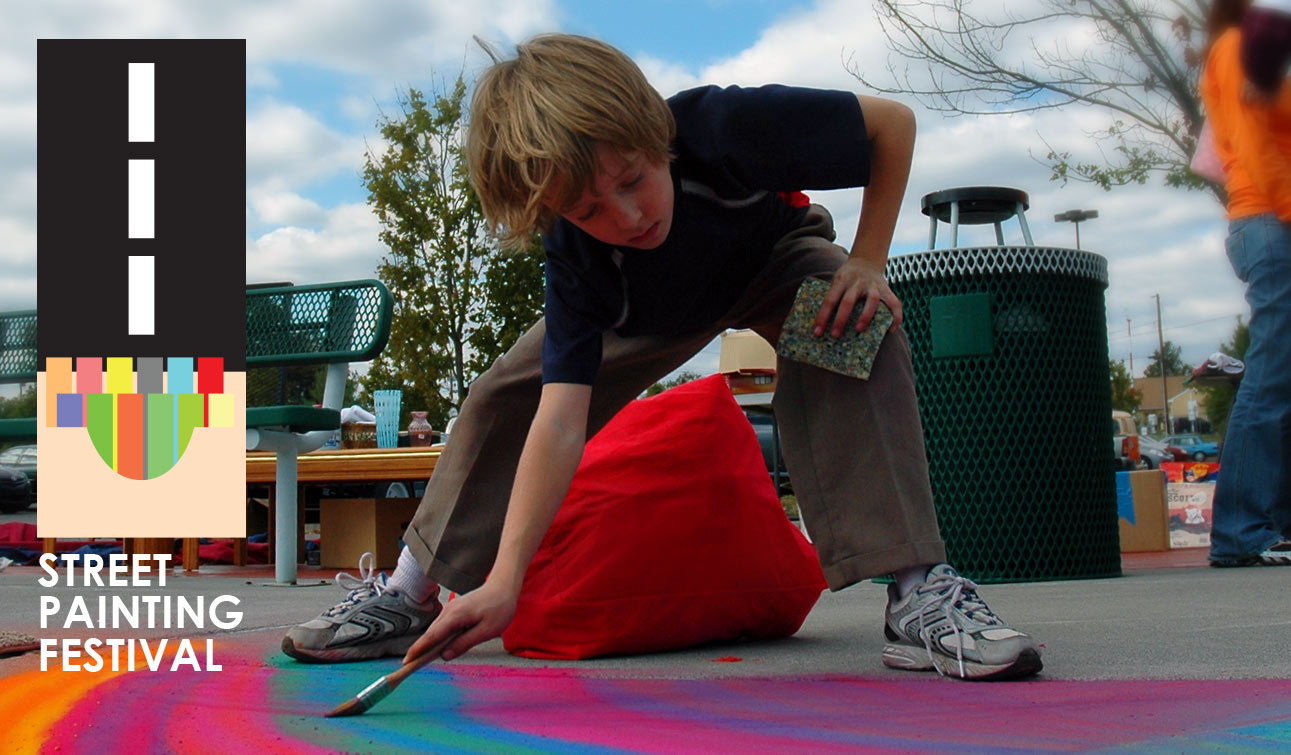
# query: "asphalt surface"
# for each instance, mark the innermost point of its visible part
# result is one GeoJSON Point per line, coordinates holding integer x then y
{"type": "Point", "coordinates": [1176, 623]}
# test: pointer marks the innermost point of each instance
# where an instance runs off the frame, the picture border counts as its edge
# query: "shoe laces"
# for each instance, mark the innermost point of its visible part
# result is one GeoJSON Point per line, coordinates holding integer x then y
{"type": "Point", "coordinates": [362, 587]}
{"type": "Point", "coordinates": [953, 591]}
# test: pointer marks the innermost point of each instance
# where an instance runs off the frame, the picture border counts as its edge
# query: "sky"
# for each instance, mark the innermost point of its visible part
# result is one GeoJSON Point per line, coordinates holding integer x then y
{"type": "Point", "coordinates": [320, 72]}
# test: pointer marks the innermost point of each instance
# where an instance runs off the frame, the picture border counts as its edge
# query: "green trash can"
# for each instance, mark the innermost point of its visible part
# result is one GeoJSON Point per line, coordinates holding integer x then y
{"type": "Point", "coordinates": [1010, 358]}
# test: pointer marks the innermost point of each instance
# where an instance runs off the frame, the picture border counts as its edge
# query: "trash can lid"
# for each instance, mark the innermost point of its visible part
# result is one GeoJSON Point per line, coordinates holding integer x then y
{"type": "Point", "coordinates": [978, 205]}
{"type": "Point", "coordinates": [987, 260]}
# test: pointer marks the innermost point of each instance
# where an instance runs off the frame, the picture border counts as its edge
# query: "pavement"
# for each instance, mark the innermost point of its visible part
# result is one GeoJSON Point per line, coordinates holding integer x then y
{"type": "Point", "coordinates": [1173, 656]}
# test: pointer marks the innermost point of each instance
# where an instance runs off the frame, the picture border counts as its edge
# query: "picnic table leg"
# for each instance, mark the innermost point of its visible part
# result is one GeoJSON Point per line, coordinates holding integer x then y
{"type": "Point", "coordinates": [191, 560]}
{"type": "Point", "coordinates": [285, 518]}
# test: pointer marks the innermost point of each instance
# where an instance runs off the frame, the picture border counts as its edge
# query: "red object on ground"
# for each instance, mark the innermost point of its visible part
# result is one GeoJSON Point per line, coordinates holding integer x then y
{"type": "Point", "coordinates": [671, 536]}
{"type": "Point", "coordinates": [22, 536]}
{"type": "Point", "coordinates": [12, 533]}
{"type": "Point", "coordinates": [728, 659]}
{"type": "Point", "coordinates": [221, 552]}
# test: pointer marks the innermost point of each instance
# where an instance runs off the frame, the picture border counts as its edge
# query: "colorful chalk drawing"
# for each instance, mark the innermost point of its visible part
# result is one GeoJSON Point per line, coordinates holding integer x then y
{"type": "Point", "coordinates": [140, 434]}
{"type": "Point", "coordinates": [262, 703]}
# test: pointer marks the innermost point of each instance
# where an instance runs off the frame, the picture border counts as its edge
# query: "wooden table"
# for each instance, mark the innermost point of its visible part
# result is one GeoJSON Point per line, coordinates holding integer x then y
{"type": "Point", "coordinates": [350, 465]}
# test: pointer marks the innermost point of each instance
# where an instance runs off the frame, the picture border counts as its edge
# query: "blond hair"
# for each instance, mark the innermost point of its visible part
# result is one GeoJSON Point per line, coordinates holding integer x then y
{"type": "Point", "coordinates": [536, 119]}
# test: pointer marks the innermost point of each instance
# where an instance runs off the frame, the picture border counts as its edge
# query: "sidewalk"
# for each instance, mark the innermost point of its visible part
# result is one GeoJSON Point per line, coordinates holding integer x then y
{"type": "Point", "coordinates": [1173, 656]}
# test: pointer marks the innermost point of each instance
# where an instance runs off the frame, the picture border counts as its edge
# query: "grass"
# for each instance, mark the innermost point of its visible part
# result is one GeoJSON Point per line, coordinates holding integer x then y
{"type": "Point", "coordinates": [790, 504]}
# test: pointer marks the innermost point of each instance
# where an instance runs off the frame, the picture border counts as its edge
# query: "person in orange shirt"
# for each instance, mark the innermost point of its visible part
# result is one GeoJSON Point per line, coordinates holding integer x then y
{"type": "Point", "coordinates": [1252, 131]}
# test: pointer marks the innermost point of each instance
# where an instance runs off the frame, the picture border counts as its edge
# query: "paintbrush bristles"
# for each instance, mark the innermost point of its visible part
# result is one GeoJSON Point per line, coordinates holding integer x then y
{"type": "Point", "coordinates": [374, 694]}
{"type": "Point", "coordinates": [377, 691]}
{"type": "Point", "coordinates": [353, 707]}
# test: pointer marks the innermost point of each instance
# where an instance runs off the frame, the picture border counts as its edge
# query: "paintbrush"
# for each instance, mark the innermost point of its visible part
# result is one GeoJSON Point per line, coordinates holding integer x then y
{"type": "Point", "coordinates": [378, 690]}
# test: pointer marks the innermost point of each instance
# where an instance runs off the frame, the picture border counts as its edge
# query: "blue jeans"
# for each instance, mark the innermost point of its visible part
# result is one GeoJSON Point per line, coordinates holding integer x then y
{"type": "Point", "coordinates": [1253, 495]}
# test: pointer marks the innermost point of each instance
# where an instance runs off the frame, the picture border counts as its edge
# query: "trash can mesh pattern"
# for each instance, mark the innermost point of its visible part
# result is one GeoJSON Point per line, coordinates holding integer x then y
{"type": "Point", "coordinates": [1018, 441]}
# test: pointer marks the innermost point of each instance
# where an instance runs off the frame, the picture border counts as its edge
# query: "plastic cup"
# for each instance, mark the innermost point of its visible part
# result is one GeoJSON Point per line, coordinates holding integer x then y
{"type": "Point", "coordinates": [387, 411]}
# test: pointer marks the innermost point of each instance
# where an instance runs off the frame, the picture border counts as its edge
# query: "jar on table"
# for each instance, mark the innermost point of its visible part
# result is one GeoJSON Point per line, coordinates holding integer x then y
{"type": "Point", "coordinates": [419, 430]}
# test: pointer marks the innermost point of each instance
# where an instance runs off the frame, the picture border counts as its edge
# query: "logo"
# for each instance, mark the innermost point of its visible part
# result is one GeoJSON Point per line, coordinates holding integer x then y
{"type": "Point", "coordinates": [141, 276]}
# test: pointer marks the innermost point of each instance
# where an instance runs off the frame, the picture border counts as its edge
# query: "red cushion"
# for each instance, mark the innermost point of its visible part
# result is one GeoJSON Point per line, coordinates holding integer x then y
{"type": "Point", "coordinates": [18, 532]}
{"type": "Point", "coordinates": [671, 536]}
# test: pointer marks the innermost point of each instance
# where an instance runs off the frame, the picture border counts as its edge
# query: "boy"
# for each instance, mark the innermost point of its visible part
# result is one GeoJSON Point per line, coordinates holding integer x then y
{"type": "Point", "coordinates": [663, 226]}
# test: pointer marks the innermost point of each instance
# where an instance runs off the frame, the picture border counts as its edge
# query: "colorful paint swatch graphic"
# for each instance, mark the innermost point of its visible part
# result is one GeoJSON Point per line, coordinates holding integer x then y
{"type": "Point", "coordinates": [142, 435]}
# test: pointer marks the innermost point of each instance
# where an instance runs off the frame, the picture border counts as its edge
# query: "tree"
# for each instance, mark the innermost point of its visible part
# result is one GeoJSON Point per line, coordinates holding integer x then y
{"type": "Point", "coordinates": [22, 405]}
{"type": "Point", "coordinates": [1139, 64]}
{"type": "Point", "coordinates": [1125, 397]}
{"type": "Point", "coordinates": [1173, 362]}
{"type": "Point", "coordinates": [459, 303]}
{"type": "Point", "coordinates": [685, 376]}
{"type": "Point", "coordinates": [1218, 400]}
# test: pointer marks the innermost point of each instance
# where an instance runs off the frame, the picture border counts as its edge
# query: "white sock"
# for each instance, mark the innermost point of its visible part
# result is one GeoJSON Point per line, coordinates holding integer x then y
{"type": "Point", "coordinates": [409, 579]}
{"type": "Point", "coordinates": [907, 579]}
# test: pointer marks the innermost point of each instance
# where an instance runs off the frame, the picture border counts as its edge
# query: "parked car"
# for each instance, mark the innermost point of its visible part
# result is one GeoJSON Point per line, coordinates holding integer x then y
{"type": "Point", "coordinates": [1153, 452]}
{"type": "Point", "coordinates": [1196, 447]}
{"type": "Point", "coordinates": [15, 490]}
{"type": "Point", "coordinates": [1179, 453]}
{"type": "Point", "coordinates": [763, 426]}
{"type": "Point", "coordinates": [1125, 441]}
{"type": "Point", "coordinates": [23, 459]}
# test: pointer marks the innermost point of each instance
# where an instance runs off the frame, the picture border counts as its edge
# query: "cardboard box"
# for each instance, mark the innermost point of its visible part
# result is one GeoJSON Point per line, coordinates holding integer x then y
{"type": "Point", "coordinates": [745, 351]}
{"type": "Point", "coordinates": [1189, 506]}
{"type": "Point", "coordinates": [352, 526]}
{"type": "Point", "coordinates": [1143, 521]}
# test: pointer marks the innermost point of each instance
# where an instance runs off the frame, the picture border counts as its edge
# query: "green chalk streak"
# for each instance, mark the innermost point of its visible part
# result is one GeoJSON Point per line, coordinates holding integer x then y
{"type": "Point", "coordinates": [192, 411]}
{"type": "Point", "coordinates": [391, 727]}
{"type": "Point", "coordinates": [98, 421]}
{"type": "Point", "coordinates": [161, 424]}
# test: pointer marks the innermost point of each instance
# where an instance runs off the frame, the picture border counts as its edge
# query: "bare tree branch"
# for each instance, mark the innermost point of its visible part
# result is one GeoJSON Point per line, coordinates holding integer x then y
{"type": "Point", "coordinates": [1137, 60]}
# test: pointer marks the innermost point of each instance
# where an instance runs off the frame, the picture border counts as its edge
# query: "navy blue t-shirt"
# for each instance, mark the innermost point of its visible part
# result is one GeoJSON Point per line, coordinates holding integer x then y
{"type": "Point", "coordinates": [736, 148]}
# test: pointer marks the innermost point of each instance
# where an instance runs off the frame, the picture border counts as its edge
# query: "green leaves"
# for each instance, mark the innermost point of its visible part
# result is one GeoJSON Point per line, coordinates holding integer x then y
{"type": "Point", "coordinates": [459, 303]}
{"type": "Point", "coordinates": [1125, 397]}
{"type": "Point", "coordinates": [1173, 362]}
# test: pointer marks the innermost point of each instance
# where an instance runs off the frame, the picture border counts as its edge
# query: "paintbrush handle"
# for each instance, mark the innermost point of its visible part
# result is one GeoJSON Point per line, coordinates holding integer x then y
{"type": "Point", "coordinates": [394, 678]}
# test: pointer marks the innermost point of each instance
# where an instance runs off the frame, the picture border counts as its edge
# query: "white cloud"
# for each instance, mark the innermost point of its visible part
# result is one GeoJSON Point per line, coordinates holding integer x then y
{"type": "Point", "coordinates": [668, 78]}
{"type": "Point", "coordinates": [287, 146]}
{"type": "Point", "coordinates": [804, 48]}
{"type": "Point", "coordinates": [286, 208]}
{"type": "Point", "coordinates": [360, 109]}
{"type": "Point", "coordinates": [17, 263]}
{"type": "Point", "coordinates": [391, 39]}
{"type": "Point", "coordinates": [344, 246]}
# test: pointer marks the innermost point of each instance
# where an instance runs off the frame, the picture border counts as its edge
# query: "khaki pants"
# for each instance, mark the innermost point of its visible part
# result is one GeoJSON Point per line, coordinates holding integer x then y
{"type": "Point", "coordinates": [854, 448]}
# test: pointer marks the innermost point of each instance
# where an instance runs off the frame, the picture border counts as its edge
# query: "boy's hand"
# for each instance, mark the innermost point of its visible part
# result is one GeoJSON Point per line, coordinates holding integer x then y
{"type": "Point", "coordinates": [475, 617]}
{"type": "Point", "coordinates": [855, 280]}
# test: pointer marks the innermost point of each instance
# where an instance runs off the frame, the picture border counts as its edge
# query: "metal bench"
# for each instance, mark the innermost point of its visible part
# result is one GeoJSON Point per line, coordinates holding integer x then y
{"type": "Point", "coordinates": [18, 365]}
{"type": "Point", "coordinates": [333, 324]}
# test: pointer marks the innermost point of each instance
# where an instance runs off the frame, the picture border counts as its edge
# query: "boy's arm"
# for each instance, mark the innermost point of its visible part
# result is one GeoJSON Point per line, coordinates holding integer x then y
{"type": "Point", "coordinates": [547, 465]}
{"type": "Point", "coordinates": [890, 127]}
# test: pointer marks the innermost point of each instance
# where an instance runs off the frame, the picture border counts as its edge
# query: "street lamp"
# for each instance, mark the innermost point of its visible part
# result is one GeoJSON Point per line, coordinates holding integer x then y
{"type": "Point", "coordinates": [1075, 216]}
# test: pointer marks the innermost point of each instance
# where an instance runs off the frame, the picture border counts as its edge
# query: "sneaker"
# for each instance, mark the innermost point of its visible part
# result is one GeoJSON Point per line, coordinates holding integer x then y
{"type": "Point", "coordinates": [1277, 554]}
{"type": "Point", "coordinates": [374, 621]}
{"type": "Point", "coordinates": [942, 624]}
